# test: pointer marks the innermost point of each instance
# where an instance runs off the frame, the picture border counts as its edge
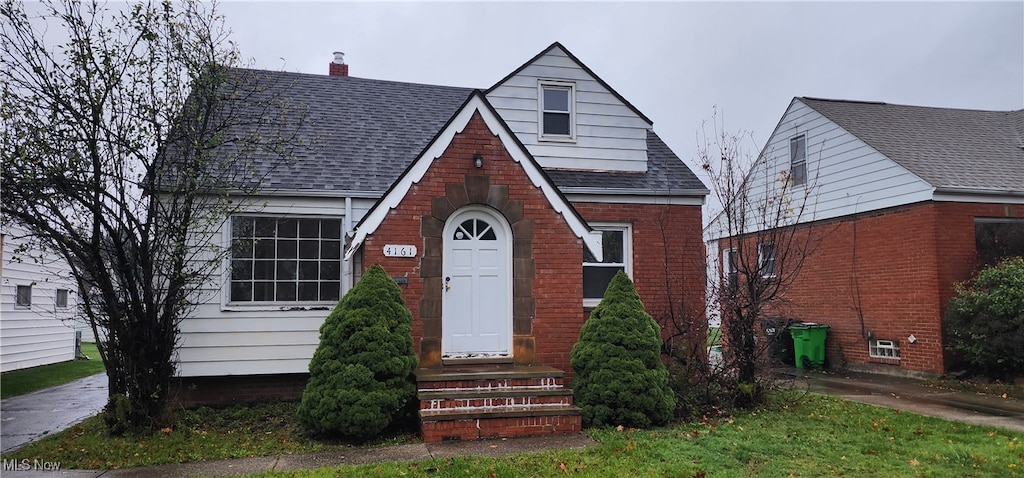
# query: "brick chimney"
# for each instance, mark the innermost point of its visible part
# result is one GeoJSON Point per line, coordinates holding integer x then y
{"type": "Point", "coordinates": [338, 66]}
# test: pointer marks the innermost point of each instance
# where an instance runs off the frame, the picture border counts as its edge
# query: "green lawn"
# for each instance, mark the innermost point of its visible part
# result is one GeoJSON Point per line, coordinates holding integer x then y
{"type": "Point", "coordinates": [20, 382]}
{"type": "Point", "coordinates": [818, 436]}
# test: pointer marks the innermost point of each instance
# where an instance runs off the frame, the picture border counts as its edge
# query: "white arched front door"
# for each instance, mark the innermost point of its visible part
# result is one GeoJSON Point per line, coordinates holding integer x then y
{"type": "Point", "coordinates": [477, 305]}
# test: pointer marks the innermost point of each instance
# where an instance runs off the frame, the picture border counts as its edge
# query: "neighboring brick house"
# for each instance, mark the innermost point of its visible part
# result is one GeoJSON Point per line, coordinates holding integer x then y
{"type": "Point", "coordinates": [904, 202]}
{"type": "Point", "coordinates": [501, 213]}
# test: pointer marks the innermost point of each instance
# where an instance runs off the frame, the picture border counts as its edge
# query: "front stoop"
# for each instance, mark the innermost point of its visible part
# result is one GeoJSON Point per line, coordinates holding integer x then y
{"type": "Point", "coordinates": [475, 401]}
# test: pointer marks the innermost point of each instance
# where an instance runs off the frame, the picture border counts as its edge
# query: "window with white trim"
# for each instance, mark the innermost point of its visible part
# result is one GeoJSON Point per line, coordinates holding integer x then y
{"type": "Point", "coordinates": [884, 349]}
{"type": "Point", "coordinates": [617, 249]}
{"type": "Point", "coordinates": [23, 300]}
{"type": "Point", "coordinates": [798, 159]}
{"type": "Point", "coordinates": [766, 259]}
{"type": "Point", "coordinates": [61, 299]}
{"type": "Point", "coordinates": [285, 259]}
{"type": "Point", "coordinates": [557, 111]}
{"type": "Point", "coordinates": [729, 268]}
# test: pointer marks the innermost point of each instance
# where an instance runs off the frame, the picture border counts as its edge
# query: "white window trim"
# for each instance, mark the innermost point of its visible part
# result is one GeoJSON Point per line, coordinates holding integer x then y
{"type": "Point", "coordinates": [17, 297]}
{"type": "Point", "coordinates": [761, 260]}
{"type": "Point", "coordinates": [874, 346]}
{"type": "Point", "coordinates": [627, 256]}
{"type": "Point", "coordinates": [225, 290]}
{"type": "Point", "coordinates": [571, 137]}
{"type": "Point", "coordinates": [802, 161]}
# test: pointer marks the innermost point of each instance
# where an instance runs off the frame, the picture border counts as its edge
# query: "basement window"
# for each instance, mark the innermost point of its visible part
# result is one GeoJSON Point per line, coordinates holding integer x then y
{"type": "Point", "coordinates": [889, 349]}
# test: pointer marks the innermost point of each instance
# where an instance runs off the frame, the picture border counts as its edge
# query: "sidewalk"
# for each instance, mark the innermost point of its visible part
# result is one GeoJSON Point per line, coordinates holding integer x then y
{"type": "Point", "coordinates": [27, 418]}
{"type": "Point", "coordinates": [356, 456]}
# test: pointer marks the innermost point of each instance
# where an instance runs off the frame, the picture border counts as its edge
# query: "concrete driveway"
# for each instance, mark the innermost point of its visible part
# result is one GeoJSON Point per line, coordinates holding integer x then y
{"type": "Point", "coordinates": [27, 418]}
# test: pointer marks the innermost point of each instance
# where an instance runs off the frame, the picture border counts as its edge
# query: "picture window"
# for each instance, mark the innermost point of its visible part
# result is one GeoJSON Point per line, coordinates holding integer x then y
{"type": "Point", "coordinates": [278, 259]}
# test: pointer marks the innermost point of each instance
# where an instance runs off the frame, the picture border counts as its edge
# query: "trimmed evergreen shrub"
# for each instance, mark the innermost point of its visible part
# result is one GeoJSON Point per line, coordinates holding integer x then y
{"type": "Point", "coordinates": [360, 378]}
{"type": "Point", "coordinates": [620, 378]}
{"type": "Point", "coordinates": [985, 321]}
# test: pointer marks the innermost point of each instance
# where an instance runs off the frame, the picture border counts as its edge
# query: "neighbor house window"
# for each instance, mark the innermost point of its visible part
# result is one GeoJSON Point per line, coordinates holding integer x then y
{"type": "Point", "coordinates": [997, 239]}
{"type": "Point", "coordinates": [285, 259]}
{"type": "Point", "coordinates": [62, 298]}
{"type": "Point", "coordinates": [24, 297]}
{"type": "Point", "coordinates": [884, 349]}
{"type": "Point", "coordinates": [557, 111]}
{"type": "Point", "coordinates": [766, 259]}
{"type": "Point", "coordinates": [616, 245]}
{"type": "Point", "coordinates": [729, 266]}
{"type": "Point", "coordinates": [798, 159]}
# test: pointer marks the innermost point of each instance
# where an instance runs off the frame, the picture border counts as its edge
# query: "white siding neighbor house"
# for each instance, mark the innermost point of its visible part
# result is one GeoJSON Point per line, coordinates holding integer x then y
{"type": "Point", "coordinates": [38, 304]}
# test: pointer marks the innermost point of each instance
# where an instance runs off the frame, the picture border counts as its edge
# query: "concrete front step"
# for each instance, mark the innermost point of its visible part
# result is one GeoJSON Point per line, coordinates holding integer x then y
{"type": "Point", "coordinates": [474, 401]}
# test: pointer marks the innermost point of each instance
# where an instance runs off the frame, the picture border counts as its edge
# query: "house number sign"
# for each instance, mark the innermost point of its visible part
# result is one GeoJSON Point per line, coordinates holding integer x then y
{"type": "Point", "coordinates": [392, 250]}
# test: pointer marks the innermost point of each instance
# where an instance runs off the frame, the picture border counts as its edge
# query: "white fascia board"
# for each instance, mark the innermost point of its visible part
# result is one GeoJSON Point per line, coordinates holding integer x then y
{"type": "Point", "coordinates": [419, 168]}
{"type": "Point", "coordinates": [636, 199]}
{"type": "Point", "coordinates": [975, 195]}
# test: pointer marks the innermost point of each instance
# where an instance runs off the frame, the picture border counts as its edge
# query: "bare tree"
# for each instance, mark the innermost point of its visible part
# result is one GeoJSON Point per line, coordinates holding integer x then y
{"type": "Point", "coordinates": [126, 134]}
{"type": "Point", "coordinates": [763, 246]}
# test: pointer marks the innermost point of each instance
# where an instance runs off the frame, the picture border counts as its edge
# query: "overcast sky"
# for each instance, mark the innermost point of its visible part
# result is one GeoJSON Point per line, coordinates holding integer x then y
{"type": "Point", "coordinates": [674, 61]}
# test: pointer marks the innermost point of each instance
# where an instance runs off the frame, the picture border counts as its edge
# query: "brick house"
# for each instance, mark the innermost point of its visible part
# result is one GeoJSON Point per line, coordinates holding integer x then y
{"type": "Point", "coordinates": [501, 213]}
{"type": "Point", "coordinates": [904, 201]}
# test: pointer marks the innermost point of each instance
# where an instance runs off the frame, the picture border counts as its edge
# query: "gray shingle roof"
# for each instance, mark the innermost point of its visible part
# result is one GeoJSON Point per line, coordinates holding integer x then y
{"type": "Point", "coordinates": [363, 133]}
{"type": "Point", "coordinates": [948, 148]}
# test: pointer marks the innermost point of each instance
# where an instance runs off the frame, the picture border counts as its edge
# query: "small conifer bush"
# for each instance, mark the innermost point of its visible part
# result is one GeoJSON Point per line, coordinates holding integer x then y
{"type": "Point", "coordinates": [360, 378]}
{"type": "Point", "coordinates": [620, 378]}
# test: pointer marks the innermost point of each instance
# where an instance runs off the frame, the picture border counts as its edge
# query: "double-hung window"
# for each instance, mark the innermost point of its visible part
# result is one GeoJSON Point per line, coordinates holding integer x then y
{"type": "Point", "coordinates": [285, 259]}
{"type": "Point", "coordinates": [730, 269]}
{"type": "Point", "coordinates": [798, 159]}
{"type": "Point", "coordinates": [617, 251]}
{"type": "Point", "coordinates": [23, 300]}
{"type": "Point", "coordinates": [61, 299]}
{"type": "Point", "coordinates": [766, 259]}
{"type": "Point", "coordinates": [557, 111]}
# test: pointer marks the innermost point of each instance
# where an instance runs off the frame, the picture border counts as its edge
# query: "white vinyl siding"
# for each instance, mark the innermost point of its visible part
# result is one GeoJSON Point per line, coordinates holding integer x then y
{"type": "Point", "coordinates": [224, 338]}
{"type": "Point", "coordinates": [43, 333]}
{"type": "Point", "coordinates": [609, 136]}
{"type": "Point", "coordinates": [844, 175]}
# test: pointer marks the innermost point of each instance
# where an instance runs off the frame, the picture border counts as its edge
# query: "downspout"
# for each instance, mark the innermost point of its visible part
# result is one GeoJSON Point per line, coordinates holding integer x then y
{"type": "Point", "coordinates": [347, 266]}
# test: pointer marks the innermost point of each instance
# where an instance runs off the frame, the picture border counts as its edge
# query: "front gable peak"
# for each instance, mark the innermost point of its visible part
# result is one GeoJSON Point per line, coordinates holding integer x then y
{"type": "Point", "coordinates": [475, 106]}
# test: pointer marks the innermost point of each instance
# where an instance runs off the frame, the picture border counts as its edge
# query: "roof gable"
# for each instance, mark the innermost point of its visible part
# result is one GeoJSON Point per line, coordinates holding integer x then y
{"type": "Point", "coordinates": [578, 63]}
{"type": "Point", "coordinates": [951, 149]}
{"type": "Point", "coordinates": [476, 103]}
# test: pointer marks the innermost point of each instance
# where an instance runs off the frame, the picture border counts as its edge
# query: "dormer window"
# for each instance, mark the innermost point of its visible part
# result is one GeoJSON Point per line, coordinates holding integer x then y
{"type": "Point", "coordinates": [557, 111]}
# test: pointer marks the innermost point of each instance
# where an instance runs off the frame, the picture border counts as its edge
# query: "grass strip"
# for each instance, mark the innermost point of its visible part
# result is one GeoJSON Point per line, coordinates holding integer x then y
{"type": "Point", "coordinates": [818, 436]}
{"type": "Point", "coordinates": [20, 382]}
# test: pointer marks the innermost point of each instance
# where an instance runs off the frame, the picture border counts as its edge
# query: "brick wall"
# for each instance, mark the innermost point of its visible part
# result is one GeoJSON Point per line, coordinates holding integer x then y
{"type": "Point", "coordinates": [547, 255]}
{"type": "Point", "coordinates": [888, 274]}
{"type": "Point", "coordinates": [668, 264]}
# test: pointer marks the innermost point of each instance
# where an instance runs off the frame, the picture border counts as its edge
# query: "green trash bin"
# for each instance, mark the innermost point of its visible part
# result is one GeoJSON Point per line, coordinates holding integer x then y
{"type": "Point", "coordinates": [808, 343]}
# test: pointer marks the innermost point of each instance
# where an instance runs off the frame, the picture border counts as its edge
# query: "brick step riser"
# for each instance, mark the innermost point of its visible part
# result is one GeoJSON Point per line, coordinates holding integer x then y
{"type": "Point", "coordinates": [493, 384]}
{"type": "Point", "coordinates": [476, 429]}
{"type": "Point", "coordinates": [497, 402]}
